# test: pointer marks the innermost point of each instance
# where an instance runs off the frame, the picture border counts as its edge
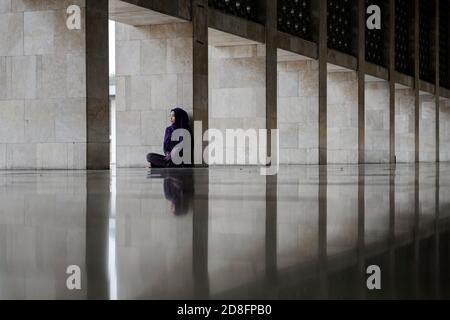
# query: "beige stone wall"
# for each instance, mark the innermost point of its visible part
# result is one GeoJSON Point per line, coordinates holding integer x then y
{"type": "Point", "coordinates": [298, 111]}
{"type": "Point", "coordinates": [342, 117]}
{"type": "Point", "coordinates": [42, 86]}
{"type": "Point", "coordinates": [154, 75]}
{"type": "Point", "coordinates": [377, 121]}
{"type": "Point", "coordinates": [404, 125]}
{"type": "Point", "coordinates": [427, 129]}
{"type": "Point", "coordinates": [444, 131]}
{"type": "Point", "coordinates": [237, 90]}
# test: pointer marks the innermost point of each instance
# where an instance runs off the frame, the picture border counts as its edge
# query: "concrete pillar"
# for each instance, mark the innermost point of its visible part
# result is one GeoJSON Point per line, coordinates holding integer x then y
{"type": "Point", "coordinates": [437, 78]}
{"type": "Point", "coordinates": [200, 65]}
{"type": "Point", "coordinates": [271, 123]}
{"type": "Point", "coordinates": [97, 84]}
{"type": "Point", "coordinates": [271, 71]}
{"type": "Point", "coordinates": [323, 53]}
{"type": "Point", "coordinates": [392, 81]}
{"type": "Point", "coordinates": [416, 83]}
{"type": "Point", "coordinates": [361, 80]}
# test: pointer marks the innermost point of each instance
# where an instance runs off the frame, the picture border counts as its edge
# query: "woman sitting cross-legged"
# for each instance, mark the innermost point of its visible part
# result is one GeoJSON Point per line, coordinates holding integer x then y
{"type": "Point", "coordinates": [179, 120]}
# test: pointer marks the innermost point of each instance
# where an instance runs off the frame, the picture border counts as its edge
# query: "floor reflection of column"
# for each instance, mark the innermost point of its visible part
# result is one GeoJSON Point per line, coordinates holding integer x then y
{"type": "Point", "coordinates": [97, 227]}
{"type": "Point", "coordinates": [361, 228]}
{"type": "Point", "coordinates": [112, 234]}
{"type": "Point", "coordinates": [437, 281]}
{"type": "Point", "coordinates": [416, 231]}
{"type": "Point", "coordinates": [200, 233]}
{"type": "Point", "coordinates": [322, 268]}
{"type": "Point", "coordinates": [391, 242]}
{"type": "Point", "coordinates": [271, 230]}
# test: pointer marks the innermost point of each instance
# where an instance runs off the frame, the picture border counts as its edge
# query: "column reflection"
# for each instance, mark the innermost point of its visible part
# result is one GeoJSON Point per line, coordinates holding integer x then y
{"type": "Point", "coordinates": [310, 232]}
{"type": "Point", "coordinates": [154, 234]}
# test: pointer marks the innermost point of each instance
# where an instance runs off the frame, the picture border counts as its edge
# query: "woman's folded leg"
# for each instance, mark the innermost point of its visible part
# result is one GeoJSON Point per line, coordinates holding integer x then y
{"type": "Point", "coordinates": [157, 160]}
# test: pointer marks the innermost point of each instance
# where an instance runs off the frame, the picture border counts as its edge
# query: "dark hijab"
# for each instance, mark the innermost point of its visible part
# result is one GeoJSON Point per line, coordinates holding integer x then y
{"type": "Point", "coordinates": [181, 122]}
{"type": "Point", "coordinates": [181, 119]}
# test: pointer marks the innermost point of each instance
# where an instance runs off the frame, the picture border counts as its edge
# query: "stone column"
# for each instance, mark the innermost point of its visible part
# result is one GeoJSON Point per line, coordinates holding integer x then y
{"type": "Point", "coordinates": [271, 70]}
{"type": "Point", "coordinates": [392, 150]}
{"type": "Point", "coordinates": [200, 65]}
{"type": "Point", "coordinates": [436, 73]}
{"type": "Point", "coordinates": [97, 84]}
{"type": "Point", "coordinates": [416, 81]}
{"type": "Point", "coordinates": [361, 79]}
{"type": "Point", "coordinates": [323, 50]}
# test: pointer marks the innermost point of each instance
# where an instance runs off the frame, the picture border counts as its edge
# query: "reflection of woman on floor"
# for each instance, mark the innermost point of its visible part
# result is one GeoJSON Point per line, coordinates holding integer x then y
{"type": "Point", "coordinates": [178, 189]}
{"type": "Point", "coordinates": [179, 120]}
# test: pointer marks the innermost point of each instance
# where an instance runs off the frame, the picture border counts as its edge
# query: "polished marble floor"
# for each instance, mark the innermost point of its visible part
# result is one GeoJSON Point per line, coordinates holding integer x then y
{"type": "Point", "coordinates": [226, 233]}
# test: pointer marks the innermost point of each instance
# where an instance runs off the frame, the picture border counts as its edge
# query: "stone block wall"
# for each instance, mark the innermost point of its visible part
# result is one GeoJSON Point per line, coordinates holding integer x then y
{"type": "Point", "coordinates": [342, 117]}
{"type": "Point", "coordinates": [298, 111]}
{"type": "Point", "coordinates": [154, 75]}
{"type": "Point", "coordinates": [42, 86]}
{"type": "Point", "coordinates": [444, 131]}
{"type": "Point", "coordinates": [377, 121]}
{"type": "Point", "coordinates": [237, 90]}
{"type": "Point", "coordinates": [427, 129]}
{"type": "Point", "coordinates": [404, 125]}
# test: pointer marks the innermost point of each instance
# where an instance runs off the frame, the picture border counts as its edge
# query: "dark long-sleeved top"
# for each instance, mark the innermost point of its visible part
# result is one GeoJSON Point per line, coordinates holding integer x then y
{"type": "Point", "coordinates": [168, 144]}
